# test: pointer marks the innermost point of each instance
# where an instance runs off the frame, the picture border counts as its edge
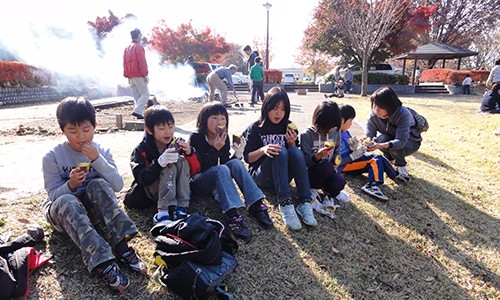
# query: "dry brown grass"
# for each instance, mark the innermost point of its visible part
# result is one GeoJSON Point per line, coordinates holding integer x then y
{"type": "Point", "coordinates": [437, 238]}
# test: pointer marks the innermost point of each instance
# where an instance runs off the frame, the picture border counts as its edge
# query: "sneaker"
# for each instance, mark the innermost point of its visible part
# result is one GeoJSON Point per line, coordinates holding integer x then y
{"type": "Point", "coordinates": [161, 216]}
{"type": "Point", "coordinates": [180, 213]}
{"type": "Point", "coordinates": [290, 217]}
{"type": "Point", "coordinates": [138, 116]}
{"type": "Point", "coordinates": [259, 212]}
{"type": "Point", "coordinates": [343, 197]}
{"type": "Point", "coordinates": [305, 210]}
{"type": "Point", "coordinates": [402, 174]}
{"type": "Point", "coordinates": [372, 189]}
{"type": "Point", "coordinates": [238, 227]}
{"type": "Point", "coordinates": [133, 261]}
{"type": "Point", "coordinates": [116, 281]}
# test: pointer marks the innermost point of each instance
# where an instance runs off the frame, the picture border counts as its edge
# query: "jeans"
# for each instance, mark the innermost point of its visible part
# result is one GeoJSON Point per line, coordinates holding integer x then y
{"type": "Point", "coordinates": [278, 171]}
{"type": "Point", "coordinates": [324, 176]}
{"type": "Point", "coordinates": [221, 177]}
{"type": "Point", "coordinates": [398, 155]}
{"type": "Point", "coordinates": [257, 91]}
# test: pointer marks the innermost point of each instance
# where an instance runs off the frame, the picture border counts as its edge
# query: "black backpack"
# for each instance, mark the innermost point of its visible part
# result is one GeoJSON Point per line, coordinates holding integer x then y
{"type": "Point", "coordinates": [194, 254]}
{"type": "Point", "coordinates": [421, 123]}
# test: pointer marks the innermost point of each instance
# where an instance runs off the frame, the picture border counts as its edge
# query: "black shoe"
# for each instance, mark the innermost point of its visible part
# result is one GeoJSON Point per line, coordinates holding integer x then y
{"type": "Point", "coordinates": [259, 212]}
{"type": "Point", "coordinates": [115, 280]}
{"type": "Point", "coordinates": [227, 105]}
{"type": "Point", "coordinates": [138, 116]}
{"type": "Point", "coordinates": [238, 227]}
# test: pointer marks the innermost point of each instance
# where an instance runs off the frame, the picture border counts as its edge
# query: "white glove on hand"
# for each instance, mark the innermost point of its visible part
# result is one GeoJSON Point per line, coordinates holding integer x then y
{"type": "Point", "coordinates": [358, 153]}
{"type": "Point", "coordinates": [353, 143]}
{"type": "Point", "coordinates": [168, 156]}
{"type": "Point", "coordinates": [238, 148]}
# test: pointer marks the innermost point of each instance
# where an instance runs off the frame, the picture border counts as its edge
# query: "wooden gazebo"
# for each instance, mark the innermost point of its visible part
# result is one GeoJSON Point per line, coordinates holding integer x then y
{"type": "Point", "coordinates": [434, 51]}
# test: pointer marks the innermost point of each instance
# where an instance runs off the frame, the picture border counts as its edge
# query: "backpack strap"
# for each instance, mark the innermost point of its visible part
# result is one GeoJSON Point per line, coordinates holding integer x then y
{"type": "Point", "coordinates": [222, 293]}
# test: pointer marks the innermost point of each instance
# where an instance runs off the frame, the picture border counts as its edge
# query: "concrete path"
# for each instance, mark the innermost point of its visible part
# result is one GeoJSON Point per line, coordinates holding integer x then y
{"type": "Point", "coordinates": [21, 163]}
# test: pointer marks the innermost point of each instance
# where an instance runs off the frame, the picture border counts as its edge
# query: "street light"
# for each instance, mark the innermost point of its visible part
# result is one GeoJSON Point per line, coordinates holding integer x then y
{"type": "Point", "coordinates": [267, 6]}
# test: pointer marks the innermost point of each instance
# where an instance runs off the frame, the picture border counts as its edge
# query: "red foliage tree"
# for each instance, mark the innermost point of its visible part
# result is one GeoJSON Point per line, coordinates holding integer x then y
{"type": "Point", "coordinates": [104, 25]}
{"type": "Point", "coordinates": [177, 45]}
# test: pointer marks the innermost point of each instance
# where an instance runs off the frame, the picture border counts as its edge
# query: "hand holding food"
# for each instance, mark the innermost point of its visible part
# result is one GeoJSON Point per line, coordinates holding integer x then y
{"type": "Point", "coordinates": [84, 166]}
{"type": "Point", "coordinates": [168, 157]}
{"type": "Point", "coordinates": [292, 126]}
{"type": "Point", "coordinates": [221, 129]}
{"type": "Point", "coordinates": [353, 143]}
{"type": "Point", "coordinates": [329, 144]}
{"type": "Point", "coordinates": [367, 142]}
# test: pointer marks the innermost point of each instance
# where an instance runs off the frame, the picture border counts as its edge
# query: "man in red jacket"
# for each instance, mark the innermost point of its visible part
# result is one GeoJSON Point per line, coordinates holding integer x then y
{"type": "Point", "coordinates": [135, 68]}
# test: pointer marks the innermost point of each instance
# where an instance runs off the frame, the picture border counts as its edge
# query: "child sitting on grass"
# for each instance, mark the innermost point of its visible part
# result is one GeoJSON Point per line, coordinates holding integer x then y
{"type": "Point", "coordinates": [219, 171]}
{"type": "Point", "coordinates": [355, 161]}
{"type": "Point", "coordinates": [81, 180]}
{"type": "Point", "coordinates": [320, 143]}
{"type": "Point", "coordinates": [161, 165]}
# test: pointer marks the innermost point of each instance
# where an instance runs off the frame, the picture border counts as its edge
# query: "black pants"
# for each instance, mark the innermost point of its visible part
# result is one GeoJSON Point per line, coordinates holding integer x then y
{"type": "Point", "coordinates": [257, 90]}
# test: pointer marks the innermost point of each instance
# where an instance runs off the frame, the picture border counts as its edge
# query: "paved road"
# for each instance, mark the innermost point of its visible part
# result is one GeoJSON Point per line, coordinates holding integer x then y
{"type": "Point", "coordinates": [21, 163]}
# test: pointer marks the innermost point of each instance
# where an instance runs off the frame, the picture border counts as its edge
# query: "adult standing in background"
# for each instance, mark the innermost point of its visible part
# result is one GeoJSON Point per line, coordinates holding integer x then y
{"type": "Point", "coordinates": [494, 76]}
{"type": "Point", "coordinates": [250, 62]}
{"type": "Point", "coordinates": [215, 81]}
{"type": "Point", "coordinates": [135, 68]}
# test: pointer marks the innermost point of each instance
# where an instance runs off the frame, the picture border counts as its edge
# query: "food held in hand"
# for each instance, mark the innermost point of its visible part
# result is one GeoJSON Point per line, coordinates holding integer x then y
{"type": "Point", "coordinates": [221, 129]}
{"type": "Point", "coordinates": [83, 166]}
{"type": "Point", "coordinates": [367, 142]}
{"type": "Point", "coordinates": [338, 160]}
{"type": "Point", "coordinates": [292, 126]}
{"type": "Point", "coordinates": [237, 138]}
{"type": "Point", "coordinates": [175, 144]}
{"type": "Point", "coordinates": [352, 140]}
{"type": "Point", "coordinates": [329, 143]}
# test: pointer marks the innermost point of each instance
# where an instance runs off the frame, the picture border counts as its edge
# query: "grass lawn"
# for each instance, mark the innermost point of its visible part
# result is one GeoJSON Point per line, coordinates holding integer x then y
{"type": "Point", "coordinates": [437, 238]}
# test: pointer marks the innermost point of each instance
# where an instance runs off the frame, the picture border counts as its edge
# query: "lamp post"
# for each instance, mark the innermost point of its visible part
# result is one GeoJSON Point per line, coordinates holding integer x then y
{"type": "Point", "coordinates": [267, 6]}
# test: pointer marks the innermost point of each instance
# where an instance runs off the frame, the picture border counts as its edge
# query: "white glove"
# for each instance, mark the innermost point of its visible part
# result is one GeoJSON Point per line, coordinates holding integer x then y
{"type": "Point", "coordinates": [320, 208]}
{"type": "Point", "coordinates": [358, 153]}
{"type": "Point", "coordinates": [168, 156]}
{"type": "Point", "coordinates": [238, 148]}
{"type": "Point", "coordinates": [353, 143]}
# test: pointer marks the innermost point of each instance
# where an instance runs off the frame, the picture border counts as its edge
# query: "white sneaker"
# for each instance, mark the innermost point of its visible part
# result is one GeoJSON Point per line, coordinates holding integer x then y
{"type": "Point", "coordinates": [372, 189]}
{"type": "Point", "coordinates": [402, 174]}
{"type": "Point", "coordinates": [343, 197]}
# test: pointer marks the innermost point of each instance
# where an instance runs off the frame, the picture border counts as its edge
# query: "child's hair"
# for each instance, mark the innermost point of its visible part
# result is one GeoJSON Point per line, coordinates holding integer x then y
{"type": "Point", "coordinates": [157, 115]}
{"type": "Point", "coordinates": [386, 98]}
{"type": "Point", "coordinates": [213, 108]}
{"type": "Point", "coordinates": [75, 111]}
{"type": "Point", "coordinates": [326, 116]}
{"type": "Point", "coordinates": [347, 112]}
{"type": "Point", "coordinates": [257, 60]}
{"type": "Point", "coordinates": [272, 99]}
{"type": "Point", "coordinates": [467, 75]}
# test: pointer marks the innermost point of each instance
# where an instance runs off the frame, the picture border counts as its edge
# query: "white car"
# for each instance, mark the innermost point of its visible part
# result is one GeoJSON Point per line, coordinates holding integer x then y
{"type": "Point", "coordinates": [288, 78]}
{"type": "Point", "coordinates": [376, 68]}
{"type": "Point", "coordinates": [238, 78]}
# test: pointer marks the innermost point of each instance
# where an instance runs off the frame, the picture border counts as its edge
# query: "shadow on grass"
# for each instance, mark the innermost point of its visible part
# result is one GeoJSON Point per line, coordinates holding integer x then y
{"type": "Point", "coordinates": [432, 160]}
{"type": "Point", "coordinates": [412, 207]}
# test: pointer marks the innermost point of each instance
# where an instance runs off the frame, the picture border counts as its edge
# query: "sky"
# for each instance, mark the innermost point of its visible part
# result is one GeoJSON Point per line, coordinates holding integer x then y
{"type": "Point", "coordinates": [54, 33]}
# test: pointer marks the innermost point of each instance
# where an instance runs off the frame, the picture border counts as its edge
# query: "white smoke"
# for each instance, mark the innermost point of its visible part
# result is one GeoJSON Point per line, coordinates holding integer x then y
{"type": "Point", "coordinates": [64, 44]}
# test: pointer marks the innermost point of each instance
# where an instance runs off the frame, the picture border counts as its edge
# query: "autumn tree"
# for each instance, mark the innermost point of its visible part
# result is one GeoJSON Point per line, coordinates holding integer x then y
{"type": "Point", "coordinates": [361, 26]}
{"type": "Point", "coordinates": [177, 45]}
{"type": "Point", "coordinates": [235, 57]}
{"type": "Point", "coordinates": [458, 22]}
{"type": "Point", "coordinates": [313, 62]}
{"type": "Point", "coordinates": [104, 25]}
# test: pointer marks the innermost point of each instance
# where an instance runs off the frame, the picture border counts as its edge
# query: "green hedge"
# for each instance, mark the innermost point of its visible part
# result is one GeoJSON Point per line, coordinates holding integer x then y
{"type": "Point", "coordinates": [382, 78]}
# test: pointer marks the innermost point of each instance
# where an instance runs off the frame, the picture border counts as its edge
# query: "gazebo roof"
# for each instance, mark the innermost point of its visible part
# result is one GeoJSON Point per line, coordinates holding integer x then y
{"type": "Point", "coordinates": [436, 51]}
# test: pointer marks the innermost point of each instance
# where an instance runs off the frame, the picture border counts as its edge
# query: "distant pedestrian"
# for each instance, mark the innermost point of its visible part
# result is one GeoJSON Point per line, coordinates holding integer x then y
{"type": "Point", "coordinates": [417, 76]}
{"type": "Point", "coordinates": [257, 76]}
{"type": "Point", "coordinates": [466, 83]}
{"type": "Point", "coordinates": [348, 78]}
{"type": "Point", "coordinates": [215, 81]}
{"type": "Point", "coordinates": [250, 62]}
{"type": "Point", "coordinates": [135, 68]}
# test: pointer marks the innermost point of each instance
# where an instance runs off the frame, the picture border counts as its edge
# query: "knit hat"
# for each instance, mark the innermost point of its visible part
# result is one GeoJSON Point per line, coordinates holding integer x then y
{"type": "Point", "coordinates": [135, 33]}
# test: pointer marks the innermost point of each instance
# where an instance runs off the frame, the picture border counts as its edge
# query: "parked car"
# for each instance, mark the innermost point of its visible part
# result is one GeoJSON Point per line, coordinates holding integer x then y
{"type": "Point", "coordinates": [239, 77]}
{"type": "Point", "coordinates": [288, 78]}
{"type": "Point", "coordinates": [376, 68]}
